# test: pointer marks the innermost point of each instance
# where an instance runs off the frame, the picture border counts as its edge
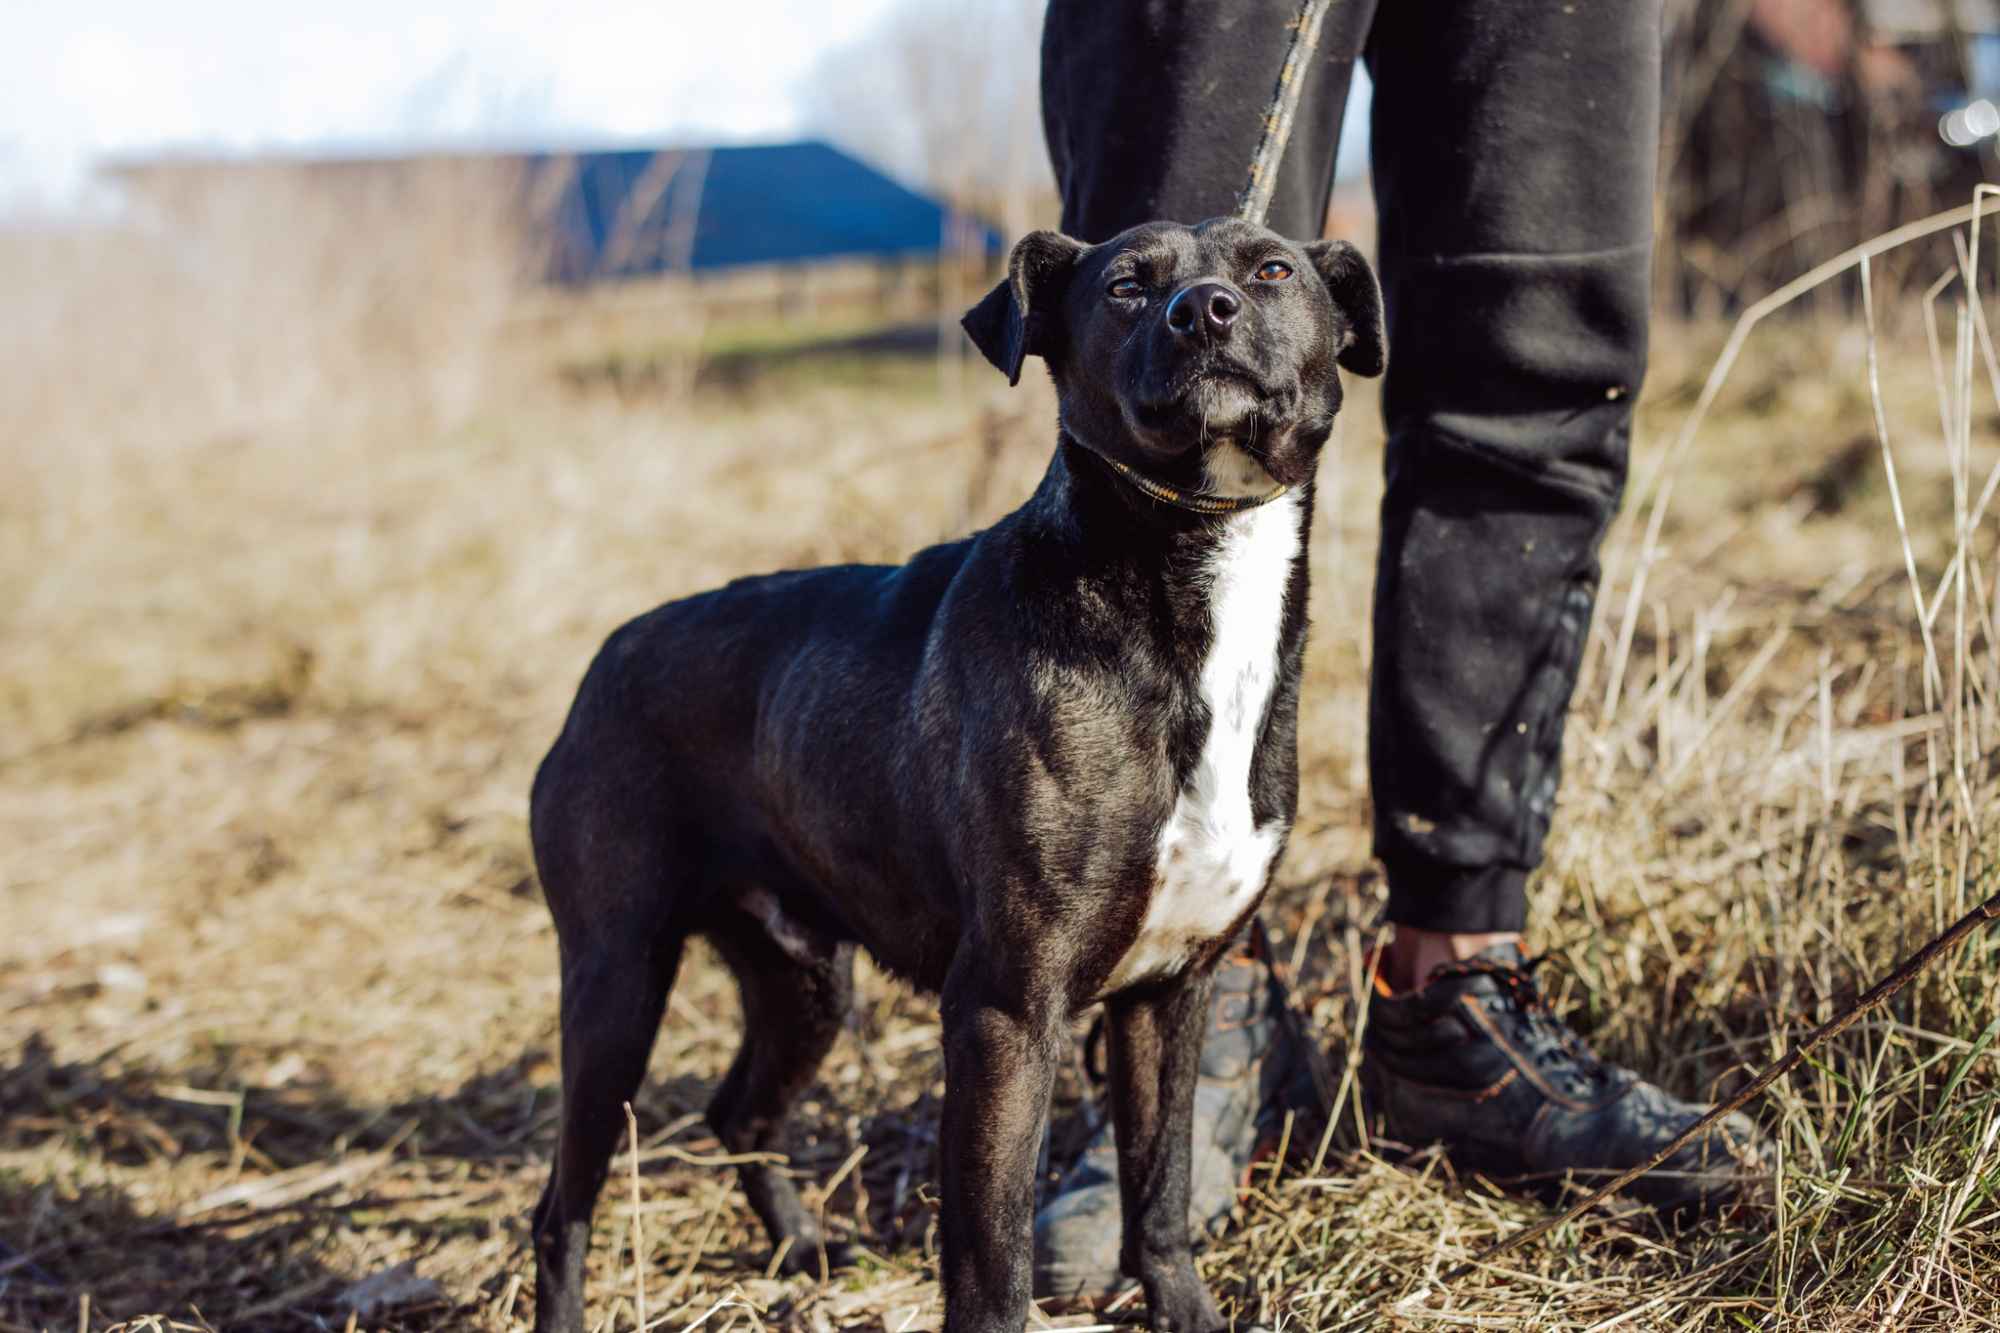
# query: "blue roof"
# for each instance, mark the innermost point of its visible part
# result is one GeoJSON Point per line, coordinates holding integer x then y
{"type": "Point", "coordinates": [627, 212]}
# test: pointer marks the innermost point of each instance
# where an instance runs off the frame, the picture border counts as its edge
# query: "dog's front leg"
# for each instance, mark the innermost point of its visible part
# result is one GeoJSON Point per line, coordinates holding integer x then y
{"type": "Point", "coordinates": [1000, 1055]}
{"type": "Point", "coordinates": [1155, 1048]}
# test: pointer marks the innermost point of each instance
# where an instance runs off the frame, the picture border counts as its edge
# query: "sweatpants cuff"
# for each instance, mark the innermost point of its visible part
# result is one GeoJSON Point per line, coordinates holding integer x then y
{"type": "Point", "coordinates": [1425, 895]}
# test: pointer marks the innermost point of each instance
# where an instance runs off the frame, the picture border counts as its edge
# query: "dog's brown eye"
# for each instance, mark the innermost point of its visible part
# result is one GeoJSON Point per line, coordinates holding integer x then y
{"type": "Point", "coordinates": [1274, 270]}
{"type": "Point", "coordinates": [1126, 288]}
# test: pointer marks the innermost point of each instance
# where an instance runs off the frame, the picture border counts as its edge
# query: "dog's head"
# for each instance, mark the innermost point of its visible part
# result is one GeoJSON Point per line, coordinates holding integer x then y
{"type": "Point", "coordinates": [1201, 355]}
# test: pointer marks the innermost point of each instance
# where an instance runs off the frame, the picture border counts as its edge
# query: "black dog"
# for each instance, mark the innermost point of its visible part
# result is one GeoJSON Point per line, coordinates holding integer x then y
{"type": "Point", "coordinates": [1048, 765]}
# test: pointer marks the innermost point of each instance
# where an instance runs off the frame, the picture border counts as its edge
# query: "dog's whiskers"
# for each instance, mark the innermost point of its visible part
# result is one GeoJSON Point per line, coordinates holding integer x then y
{"type": "Point", "coordinates": [1204, 396]}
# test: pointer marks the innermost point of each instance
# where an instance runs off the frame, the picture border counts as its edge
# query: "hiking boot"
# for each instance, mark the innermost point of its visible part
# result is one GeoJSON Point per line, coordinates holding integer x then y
{"type": "Point", "coordinates": [1475, 1060]}
{"type": "Point", "coordinates": [1253, 1068]}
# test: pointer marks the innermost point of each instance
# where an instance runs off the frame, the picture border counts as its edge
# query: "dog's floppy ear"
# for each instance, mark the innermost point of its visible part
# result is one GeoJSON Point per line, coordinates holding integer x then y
{"type": "Point", "coordinates": [1351, 283]}
{"type": "Point", "coordinates": [1019, 316]}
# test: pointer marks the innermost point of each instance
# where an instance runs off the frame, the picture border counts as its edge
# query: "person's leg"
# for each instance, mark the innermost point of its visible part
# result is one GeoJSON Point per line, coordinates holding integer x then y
{"type": "Point", "coordinates": [1514, 172]}
{"type": "Point", "coordinates": [1413, 953]}
{"type": "Point", "coordinates": [1154, 111]}
{"type": "Point", "coordinates": [1515, 145]}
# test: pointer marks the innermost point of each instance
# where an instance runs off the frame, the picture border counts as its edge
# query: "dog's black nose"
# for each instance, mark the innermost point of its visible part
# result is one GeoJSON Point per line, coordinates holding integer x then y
{"type": "Point", "coordinates": [1206, 307]}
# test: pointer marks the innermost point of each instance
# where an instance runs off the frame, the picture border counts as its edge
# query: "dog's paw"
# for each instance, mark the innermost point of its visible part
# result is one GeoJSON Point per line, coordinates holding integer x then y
{"type": "Point", "coordinates": [1177, 1302]}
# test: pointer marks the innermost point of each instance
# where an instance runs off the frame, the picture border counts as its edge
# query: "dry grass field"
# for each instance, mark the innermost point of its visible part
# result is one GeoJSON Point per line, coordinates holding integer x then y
{"type": "Point", "coordinates": [303, 548]}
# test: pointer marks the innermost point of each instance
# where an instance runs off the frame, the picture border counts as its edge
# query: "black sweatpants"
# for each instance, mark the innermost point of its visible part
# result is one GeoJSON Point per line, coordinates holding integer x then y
{"type": "Point", "coordinates": [1514, 149]}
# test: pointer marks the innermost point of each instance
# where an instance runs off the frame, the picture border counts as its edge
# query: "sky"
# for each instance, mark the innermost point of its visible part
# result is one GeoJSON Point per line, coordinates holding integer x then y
{"type": "Point", "coordinates": [82, 81]}
{"type": "Point", "coordinates": [111, 76]}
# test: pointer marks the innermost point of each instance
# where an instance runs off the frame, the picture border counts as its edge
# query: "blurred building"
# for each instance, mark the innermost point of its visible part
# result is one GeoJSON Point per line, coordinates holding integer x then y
{"type": "Point", "coordinates": [636, 212]}
{"type": "Point", "coordinates": [608, 215]}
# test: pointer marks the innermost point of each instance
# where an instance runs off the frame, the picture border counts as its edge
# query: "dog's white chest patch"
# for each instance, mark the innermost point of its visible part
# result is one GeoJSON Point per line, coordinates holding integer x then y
{"type": "Point", "coordinates": [1213, 858]}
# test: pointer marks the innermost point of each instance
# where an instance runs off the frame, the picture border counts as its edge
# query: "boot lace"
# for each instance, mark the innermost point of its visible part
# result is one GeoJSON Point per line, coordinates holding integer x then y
{"type": "Point", "coordinates": [1551, 1043]}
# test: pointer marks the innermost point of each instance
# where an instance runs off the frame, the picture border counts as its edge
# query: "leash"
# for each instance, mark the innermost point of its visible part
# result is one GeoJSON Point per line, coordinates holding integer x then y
{"type": "Point", "coordinates": [1254, 204]}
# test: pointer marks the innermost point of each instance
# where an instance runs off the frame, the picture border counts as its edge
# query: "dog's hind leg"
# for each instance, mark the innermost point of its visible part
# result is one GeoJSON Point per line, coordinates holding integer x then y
{"type": "Point", "coordinates": [613, 993]}
{"type": "Point", "coordinates": [793, 1004]}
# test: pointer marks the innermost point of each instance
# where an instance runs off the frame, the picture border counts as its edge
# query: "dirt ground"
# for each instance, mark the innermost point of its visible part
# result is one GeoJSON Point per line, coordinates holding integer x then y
{"type": "Point", "coordinates": [277, 999]}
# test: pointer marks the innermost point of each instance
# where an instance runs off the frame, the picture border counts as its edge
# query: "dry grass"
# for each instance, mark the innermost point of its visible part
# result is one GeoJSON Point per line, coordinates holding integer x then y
{"type": "Point", "coordinates": [277, 1011]}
